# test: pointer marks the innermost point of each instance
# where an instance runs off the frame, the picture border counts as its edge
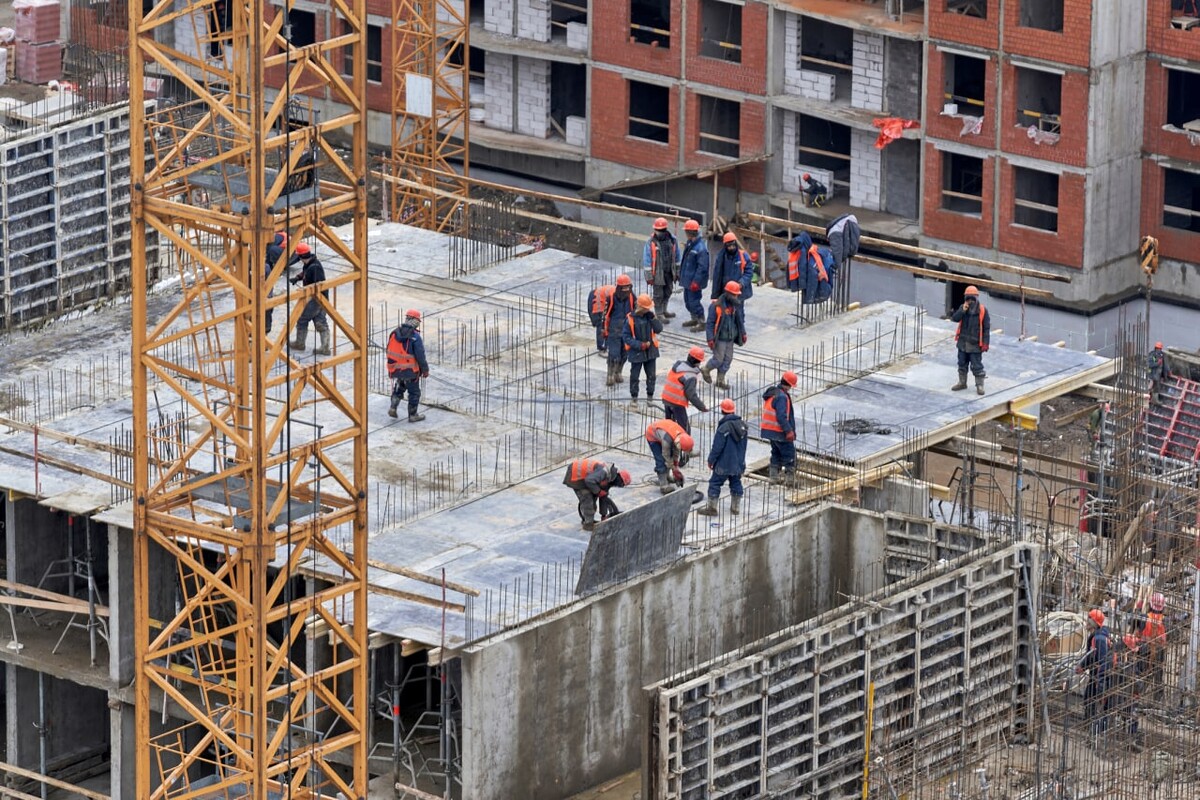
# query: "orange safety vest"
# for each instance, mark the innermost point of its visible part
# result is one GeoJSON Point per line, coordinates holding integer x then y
{"type": "Point", "coordinates": [1154, 631]}
{"type": "Point", "coordinates": [673, 392]}
{"type": "Point", "coordinates": [398, 357]}
{"type": "Point", "coordinates": [633, 332]}
{"type": "Point", "coordinates": [794, 264]}
{"type": "Point", "coordinates": [668, 426]}
{"type": "Point", "coordinates": [770, 422]}
{"type": "Point", "coordinates": [601, 297]}
{"type": "Point", "coordinates": [958, 332]}
{"type": "Point", "coordinates": [582, 467]}
{"type": "Point", "coordinates": [608, 309]}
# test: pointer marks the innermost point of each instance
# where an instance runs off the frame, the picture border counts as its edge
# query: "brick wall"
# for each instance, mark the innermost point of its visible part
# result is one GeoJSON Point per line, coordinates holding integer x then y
{"type": "Point", "coordinates": [866, 82]}
{"type": "Point", "coordinates": [1162, 38]}
{"type": "Point", "coordinates": [533, 97]}
{"type": "Point", "coordinates": [533, 20]}
{"type": "Point", "coordinates": [963, 29]}
{"type": "Point", "coordinates": [951, 226]}
{"type": "Point", "coordinates": [751, 135]}
{"type": "Point", "coordinates": [498, 16]}
{"type": "Point", "coordinates": [1172, 242]}
{"type": "Point", "coordinates": [1071, 147]}
{"type": "Point", "coordinates": [1071, 46]}
{"type": "Point", "coordinates": [1064, 247]}
{"type": "Point", "coordinates": [791, 53]}
{"type": "Point", "coordinates": [750, 75]}
{"type": "Point", "coordinates": [611, 42]}
{"type": "Point", "coordinates": [1167, 143]}
{"type": "Point", "coordinates": [610, 138]}
{"type": "Point", "coordinates": [940, 126]}
{"type": "Point", "coordinates": [500, 80]}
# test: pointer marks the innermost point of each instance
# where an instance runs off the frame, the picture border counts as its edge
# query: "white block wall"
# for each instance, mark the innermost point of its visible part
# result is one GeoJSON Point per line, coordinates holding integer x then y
{"type": "Point", "coordinates": [865, 169]}
{"type": "Point", "coordinates": [791, 53]}
{"type": "Point", "coordinates": [498, 90]}
{"type": "Point", "coordinates": [817, 85]}
{"type": "Point", "coordinates": [577, 131]}
{"type": "Point", "coordinates": [533, 97]}
{"type": "Point", "coordinates": [533, 20]}
{"type": "Point", "coordinates": [866, 86]}
{"type": "Point", "coordinates": [498, 16]}
{"type": "Point", "coordinates": [791, 168]}
{"type": "Point", "coordinates": [577, 36]}
{"type": "Point", "coordinates": [444, 14]}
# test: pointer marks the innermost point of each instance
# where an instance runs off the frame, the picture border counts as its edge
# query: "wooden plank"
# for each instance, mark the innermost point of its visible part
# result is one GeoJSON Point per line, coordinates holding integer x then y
{"type": "Point", "coordinates": [55, 782]}
{"type": "Point", "coordinates": [44, 594]}
{"type": "Point", "coordinates": [845, 484]}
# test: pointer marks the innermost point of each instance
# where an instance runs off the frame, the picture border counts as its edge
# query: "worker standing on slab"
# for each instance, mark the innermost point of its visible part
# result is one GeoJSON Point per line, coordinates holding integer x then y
{"type": "Point", "coordinates": [1158, 372]}
{"type": "Point", "coordinates": [682, 388]}
{"type": "Point", "coordinates": [274, 252]}
{"type": "Point", "coordinates": [620, 306]}
{"type": "Point", "coordinates": [1096, 662]}
{"type": "Point", "coordinates": [407, 365]}
{"type": "Point", "coordinates": [727, 460]}
{"type": "Point", "coordinates": [693, 273]}
{"type": "Point", "coordinates": [597, 302]}
{"type": "Point", "coordinates": [311, 272]}
{"type": "Point", "coordinates": [779, 428]}
{"type": "Point", "coordinates": [592, 480]}
{"type": "Point", "coordinates": [671, 447]}
{"type": "Point", "coordinates": [815, 192]}
{"type": "Point", "coordinates": [660, 259]}
{"type": "Point", "coordinates": [641, 332]}
{"type": "Point", "coordinates": [1154, 639]}
{"type": "Point", "coordinates": [726, 329]}
{"type": "Point", "coordinates": [732, 263]}
{"type": "Point", "coordinates": [973, 337]}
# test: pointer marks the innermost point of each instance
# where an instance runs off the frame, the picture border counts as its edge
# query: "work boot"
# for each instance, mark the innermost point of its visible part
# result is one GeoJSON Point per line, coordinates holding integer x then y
{"type": "Point", "coordinates": [962, 383]}
{"type": "Point", "coordinates": [588, 524]}
{"type": "Point", "coordinates": [666, 313]}
{"type": "Point", "coordinates": [634, 405]}
{"type": "Point", "coordinates": [660, 311]}
{"type": "Point", "coordinates": [664, 485]}
{"type": "Point", "coordinates": [698, 323]}
{"type": "Point", "coordinates": [602, 352]}
{"type": "Point", "coordinates": [613, 380]}
{"type": "Point", "coordinates": [413, 416]}
{"type": "Point", "coordinates": [773, 474]}
{"type": "Point", "coordinates": [978, 384]}
{"type": "Point", "coordinates": [297, 343]}
{"type": "Point", "coordinates": [392, 407]}
{"type": "Point", "coordinates": [735, 504]}
{"type": "Point", "coordinates": [721, 384]}
{"type": "Point", "coordinates": [710, 508]}
{"type": "Point", "coordinates": [706, 373]}
{"type": "Point", "coordinates": [322, 349]}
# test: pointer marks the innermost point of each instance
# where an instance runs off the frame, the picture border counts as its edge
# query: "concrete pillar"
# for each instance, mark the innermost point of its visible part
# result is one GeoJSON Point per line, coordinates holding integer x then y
{"type": "Point", "coordinates": [121, 662]}
{"type": "Point", "coordinates": [122, 735]}
{"type": "Point", "coordinates": [866, 84]}
{"type": "Point", "coordinates": [499, 82]}
{"type": "Point", "coordinates": [864, 170]}
{"type": "Point", "coordinates": [533, 97]}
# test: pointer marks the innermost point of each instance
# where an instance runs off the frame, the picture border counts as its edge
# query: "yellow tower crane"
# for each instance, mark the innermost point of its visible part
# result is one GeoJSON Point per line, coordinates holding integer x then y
{"type": "Point", "coordinates": [250, 466]}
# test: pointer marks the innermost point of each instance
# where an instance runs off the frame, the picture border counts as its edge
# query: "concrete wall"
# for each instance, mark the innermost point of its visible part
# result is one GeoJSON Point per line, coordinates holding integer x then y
{"type": "Point", "coordinates": [576, 678]}
{"type": "Point", "coordinates": [902, 69]}
{"type": "Point", "coordinates": [74, 719]}
{"type": "Point", "coordinates": [901, 162]}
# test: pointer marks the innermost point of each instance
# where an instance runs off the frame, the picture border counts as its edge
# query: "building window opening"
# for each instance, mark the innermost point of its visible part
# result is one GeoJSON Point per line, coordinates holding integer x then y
{"type": "Point", "coordinates": [568, 98]}
{"type": "Point", "coordinates": [564, 12]}
{"type": "Point", "coordinates": [962, 184]}
{"type": "Point", "coordinates": [650, 22]}
{"type": "Point", "coordinates": [828, 48]}
{"type": "Point", "coordinates": [968, 8]}
{"type": "Point", "coordinates": [825, 145]}
{"type": "Point", "coordinates": [1185, 15]}
{"type": "Point", "coordinates": [966, 83]}
{"type": "Point", "coordinates": [1181, 200]}
{"type": "Point", "coordinates": [1183, 99]}
{"type": "Point", "coordinates": [721, 30]}
{"type": "Point", "coordinates": [1039, 99]}
{"type": "Point", "coordinates": [649, 112]}
{"type": "Point", "coordinates": [1045, 15]}
{"type": "Point", "coordinates": [1035, 199]}
{"type": "Point", "coordinates": [303, 27]}
{"type": "Point", "coordinates": [720, 127]}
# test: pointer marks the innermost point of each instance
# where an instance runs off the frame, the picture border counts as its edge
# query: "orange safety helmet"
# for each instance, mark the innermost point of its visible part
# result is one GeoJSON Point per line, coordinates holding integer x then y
{"type": "Point", "coordinates": [1157, 602]}
{"type": "Point", "coordinates": [971, 291]}
{"type": "Point", "coordinates": [624, 280]}
{"type": "Point", "coordinates": [686, 442]}
{"type": "Point", "coordinates": [1131, 642]}
{"type": "Point", "coordinates": [626, 478]}
{"type": "Point", "coordinates": [729, 237]}
{"type": "Point", "coordinates": [733, 287]}
{"type": "Point", "coordinates": [412, 313]}
{"type": "Point", "coordinates": [727, 406]}
{"type": "Point", "coordinates": [1158, 345]}
{"type": "Point", "coordinates": [302, 249]}
{"type": "Point", "coordinates": [660, 224]}
{"type": "Point", "coordinates": [645, 301]}
{"type": "Point", "coordinates": [697, 353]}
{"type": "Point", "coordinates": [691, 225]}
{"type": "Point", "coordinates": [806, 177]}
{"type": "Point", "coordinates": [1096, 616]}
{"type": "Point", "coordinates": [790, 378]}
{"type": "Point", "coordinates": [283, 236]}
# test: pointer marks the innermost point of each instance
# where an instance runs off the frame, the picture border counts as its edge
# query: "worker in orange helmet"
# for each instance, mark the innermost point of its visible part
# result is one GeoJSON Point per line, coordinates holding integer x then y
{"type": "Point", "coordinates": [1158, 372]}
{"type": "Point", "coordinates": [726, 328]}
{"type": "Point", "coordinates": [973, 338]}
{"type": "Point", "coordinates": [779, 427]}
{"type": "Point", "coordinates": [693, 273]}
{"type": "Point", "coordinates": [1096, 662]}
{"type": "Point", "coordinates": [660, 260]}
{"type": "Point", "coordinates": [311, 272]}
{"type": "Point", "coordinates": [732, 263]}
{"type": "Point", "coordinates": [620, 305]}
{"type": "Point", "coordinates": [671, 447]}
{"type": "Point", "coordinates": [640, 336]}
{"type": "Point", "coordinates": [727, 460]}
{"type": "Point", "coordinates": [681, 388]}
{"type": "Point", "coordinates": [591, 481]}
{"type": "Point", "coordinates": [813, 190]}
{"type": "Point", "coordinates": [406, 364]}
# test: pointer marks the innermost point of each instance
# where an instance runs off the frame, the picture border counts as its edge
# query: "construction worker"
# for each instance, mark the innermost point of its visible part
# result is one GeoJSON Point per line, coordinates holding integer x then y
{"type": "Point", "coordinates": [406, 364]}
{"type": "Point", "coordinates": [274, 252]}
{"type": "Point", "coordinates": [693, 273]}
{"type": "Point", "coordinates": [811, 269]}
{"type": "Point", "coordinates": [1154, 640]}
{"type": "Point", "coordinates": [597, 302]}
{"type": "Point", "coordinates": [1096, 662]}
{"type": "Point", "coordinates": [1158, 372]}
{"type": "Point", "coordinates": [592, 480]}
{"type": "Point", "coordinates": [660, 259]}
{"type": "Point", "coordinates": [779, 427]}
{"type": "Point", "coordinates": [732, 263]}
{"type": "Point", "coordinates": [726, 328]}
{"type": "Point", "coordinates": [973, 337]}
{"type": "Point", "coordinates": [640, 333]}
{"type": "Point", "coordinates": [681, 388]}
{"type": "Point", "coordinates": [671, 447]}
{"type": "Point", "coordinates": [727, 460]}
{"type": "Point", "coordinates": [620, 306]}
{"type": "Point", "coordinates": [1127, 687]}
{"type": "Point", "coordinates": [311, 272]}
{"type": "Point", "coordinates": [813, 190]}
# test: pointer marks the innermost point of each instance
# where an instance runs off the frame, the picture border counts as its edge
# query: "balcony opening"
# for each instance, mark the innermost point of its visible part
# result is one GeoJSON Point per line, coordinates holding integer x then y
{"type": "Point", "coordinates": [962, 184]}
{"type": "Point", "coordinates": [649, 112]}
{"type": "Point", "coordinates": [720, 127]}
{"type": "Point", "coordinates": [1035, 199]}
{"type": "Point", "coordinates": [1181, 200]}
{"type": "Point", "coordinates": [1183, 99]}
{"type": "Point", "coordinates": [650, 22]}
{"type": "Point", "coordinates": [829, 49]}
{"type": "Point", "coordinates": [568, 101]}
{"type": "Point", "coordinates": [1045, 15]}
{"type": "Point", "coordinates": [721, 30]}
{"type": "Point", "coordinates": [824, 145]}
{"type": "Point", "coordinates": [1039, 99]}
{"type": "Point", "coordinates": [966, 83]}
{"type": "Point", "coordinates": [1185, 15]}
{"type": "Point", "coordinates": [968, 8]}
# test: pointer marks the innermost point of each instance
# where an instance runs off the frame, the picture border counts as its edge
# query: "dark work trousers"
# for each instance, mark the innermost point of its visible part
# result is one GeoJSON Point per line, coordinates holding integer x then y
{"type": "Point", "coordinates": [677, 414]}
{"type": "Point", "coordinates": [783, 453]}
{"type": "Point", "coordinates": [642, 366]}
{"type": "Point", "coordinates": [410, 385]}
{"type": "Point", "coordinates": [972, 360]}
{"type": "Point", "coordinates": [716, 481]}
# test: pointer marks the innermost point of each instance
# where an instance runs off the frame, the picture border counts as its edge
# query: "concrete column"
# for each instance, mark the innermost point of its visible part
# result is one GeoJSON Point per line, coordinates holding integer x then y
{"type": "Point", "coordinates": [864, 170]}
{"type": "Point", "coordinates": [499, 82]}
{"type": "Point", "coordinates": [122, 735]}
{"type": "Point", "coordinates": [533, 97]}
{"type": "Point", "coordinates": [866, 84]}
{"type": "Point", "coordinates": [121, 661]}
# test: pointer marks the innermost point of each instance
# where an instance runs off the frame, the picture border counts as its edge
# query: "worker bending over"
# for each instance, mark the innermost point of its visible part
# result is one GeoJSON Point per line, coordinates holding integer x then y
{"type": "Point", "coordinates": [592, 480]}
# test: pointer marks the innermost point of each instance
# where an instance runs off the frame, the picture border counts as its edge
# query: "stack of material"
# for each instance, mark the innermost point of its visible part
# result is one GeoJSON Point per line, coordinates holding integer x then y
{"type": "Point", "coordinates": [39, 54]}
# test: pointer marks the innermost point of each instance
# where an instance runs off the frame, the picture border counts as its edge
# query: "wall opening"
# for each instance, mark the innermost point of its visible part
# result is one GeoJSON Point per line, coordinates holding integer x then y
{"type": "Point", "coordinates": [966, 83]}
{"type": "Point", "coordinates": [303, 27]}
{"type": "Point", "coordinates": [650, 22]}
{"type": "Point", "coordinates": [568, 95]}
{"type": "Point", "coordinates": [968, 8]}
{"type": "Point", "coordinates": [374, 52]}
{"type": "Point", "coordinates": [1046, 15]}
{"type": "Point", "coordinates": [962, 184]}
{"type": "Point", "coordinates": [1184, 14]}
{"type": "Point", "coordinates": [828, 48]}
{"type": "Point", "coordinates": [1181, 200]}
{"type": "Point", "coordinates": [649, 111]}
{"type": "Point", "coordinates": [563, 12]}
{"type": "Point", "coordinates": [825, 145]}
{"type": "Point", "coordinates": [1039, 99]}
{"type": "Point", "coordinates": [720, 127]}
{"type": "Point", "coordinates": [721, 30]}
{"type": "Point", "coordinates": [1183, 99]}
{"type": "Point", "coordinates": [1035, 199]}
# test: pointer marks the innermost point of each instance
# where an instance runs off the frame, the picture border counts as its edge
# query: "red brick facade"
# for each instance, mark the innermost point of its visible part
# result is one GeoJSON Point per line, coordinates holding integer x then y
{"type": "Point", "coordinates": [1071, 147]}
{"type": "Point", "coordinates": [750, 75]}
{"type": "Point", "coordinates": [1168, 143]}
{"type": "Point", "coordinates": [960, 28]}
{"type": "Point", "coordinates": [1062, 247]}
{"type": "Point", "coordinates": [945, 127]}
{"type": "Point", "coordinates": [612, 43]}
{"type": "Point", "coordinates": [1164, 39]}
{"type": "Point", "coordinates": [609, 115]}
{"type": "Point", "coordinates": [951, 226]}
{"type": "Point", "coordinates": [1070, 46]}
